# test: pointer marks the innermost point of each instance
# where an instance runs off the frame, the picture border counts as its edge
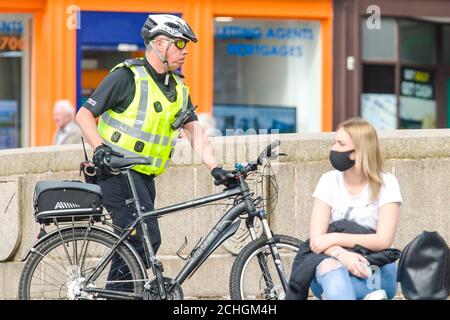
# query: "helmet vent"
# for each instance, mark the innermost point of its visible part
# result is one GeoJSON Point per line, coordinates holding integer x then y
{"type": "Point", "coordinates": [173, 25]}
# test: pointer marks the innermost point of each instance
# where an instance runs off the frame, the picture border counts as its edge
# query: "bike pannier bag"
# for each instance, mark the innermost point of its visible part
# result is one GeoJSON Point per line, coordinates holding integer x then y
{"type": "Point", "coordinates": [66, 201]}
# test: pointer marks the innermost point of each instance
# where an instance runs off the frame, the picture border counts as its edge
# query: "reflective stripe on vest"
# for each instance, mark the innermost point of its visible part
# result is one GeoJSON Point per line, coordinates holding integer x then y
{"type": "Point", "coordinates": [143, 129]}
{"type": "Point", "coordinates": [142, 108]}
{"type": "Point", "coordinates": [138, 134]}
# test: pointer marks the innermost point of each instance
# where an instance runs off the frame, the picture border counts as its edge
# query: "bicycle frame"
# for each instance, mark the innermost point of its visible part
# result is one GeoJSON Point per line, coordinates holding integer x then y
{"type": "Point", "coordinates": [223, 229]}
{"type": "Point", "coordinates": [244, 204]}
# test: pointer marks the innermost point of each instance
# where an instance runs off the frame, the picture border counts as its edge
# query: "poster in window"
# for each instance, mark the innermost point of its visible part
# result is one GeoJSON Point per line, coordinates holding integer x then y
{"type": "Point", "coordinates": [380, 110]}
{"type": "Point", "coordinates": [9, 124]}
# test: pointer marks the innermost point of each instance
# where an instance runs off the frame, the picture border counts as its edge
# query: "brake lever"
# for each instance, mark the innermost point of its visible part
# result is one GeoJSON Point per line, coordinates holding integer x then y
{"type": "Point", "coordinates": [273, 156]}
{"type": "Point", "coordinates": [253, 166]}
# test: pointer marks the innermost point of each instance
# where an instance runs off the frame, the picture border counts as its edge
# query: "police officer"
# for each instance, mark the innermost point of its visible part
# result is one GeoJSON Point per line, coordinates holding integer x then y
{"type": "Point", "coordinates": [138, 103]}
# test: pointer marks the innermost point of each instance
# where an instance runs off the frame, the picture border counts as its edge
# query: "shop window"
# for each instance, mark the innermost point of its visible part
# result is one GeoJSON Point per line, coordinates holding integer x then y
{"type": "Point", "coordinates": [378, 100]}
{"type": "Point", "coordinates": [378, 79]}
{"type": "Point", "coordinates": [267, 74]}
{"type": "Point", "coordinates": [413, 105]}
{"type": "Point", "coordinates": [14, 80]}
{"type": "Point", "coordinates": [96, 64]}
{"type": "Point", "coordinates": [417, 42]}
{"type": "Point", "coordinates": [379, 44]}
{"type": "Point", "coordinates": [104, 40]}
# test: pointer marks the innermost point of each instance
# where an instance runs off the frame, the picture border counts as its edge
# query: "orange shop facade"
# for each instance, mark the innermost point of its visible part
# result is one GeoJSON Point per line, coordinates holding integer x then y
{"type": "Point", "coordinates": [258, 65]}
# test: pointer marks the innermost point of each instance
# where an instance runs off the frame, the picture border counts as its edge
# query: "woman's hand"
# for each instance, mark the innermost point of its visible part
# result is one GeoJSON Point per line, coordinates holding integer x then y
{"type": "Point", "coordinates": [355, 263]}
{"type": "Point", "coordinates": [321, 242]}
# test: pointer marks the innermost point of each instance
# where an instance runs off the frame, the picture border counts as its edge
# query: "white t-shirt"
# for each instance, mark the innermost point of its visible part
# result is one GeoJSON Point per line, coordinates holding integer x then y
{"type": "Point", "coordinates": [358, 208]}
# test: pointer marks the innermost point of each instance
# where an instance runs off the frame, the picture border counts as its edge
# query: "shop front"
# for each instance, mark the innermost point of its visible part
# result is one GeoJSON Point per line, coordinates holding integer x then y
{"type": "Point", "coordinates": [258, 65]}
{"type": "Point", "coordinates": [392, 63]}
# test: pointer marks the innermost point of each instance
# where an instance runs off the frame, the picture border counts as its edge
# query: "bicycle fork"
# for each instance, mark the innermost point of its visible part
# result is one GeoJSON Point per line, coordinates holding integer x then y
{"type": "Point", "coordinates": [262, 261]}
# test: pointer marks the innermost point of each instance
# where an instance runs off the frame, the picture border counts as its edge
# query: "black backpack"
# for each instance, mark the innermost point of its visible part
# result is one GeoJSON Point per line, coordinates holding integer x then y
{"type": "Point", "coordinates": [424, 268]}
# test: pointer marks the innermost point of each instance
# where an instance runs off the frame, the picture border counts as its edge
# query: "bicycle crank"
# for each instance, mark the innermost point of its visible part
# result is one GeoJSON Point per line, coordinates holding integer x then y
{"type": "Point", "coordinates": [151, 290]}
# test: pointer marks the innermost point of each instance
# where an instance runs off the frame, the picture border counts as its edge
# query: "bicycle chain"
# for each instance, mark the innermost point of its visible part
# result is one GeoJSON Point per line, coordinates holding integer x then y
{"type": "Point", "coordinates": [122, 281]}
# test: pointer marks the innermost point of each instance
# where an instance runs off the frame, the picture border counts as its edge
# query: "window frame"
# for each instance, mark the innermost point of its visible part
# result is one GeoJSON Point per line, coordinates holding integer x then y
{"type": "Point", "coordinates": [398, 65]}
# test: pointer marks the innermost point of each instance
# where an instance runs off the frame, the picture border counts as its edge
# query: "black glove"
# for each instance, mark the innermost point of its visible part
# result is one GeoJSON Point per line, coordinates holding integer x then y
{"type": "Point", "coordinates": [101, 153]}
{"type": "Point", "coordinates": [224, 177]}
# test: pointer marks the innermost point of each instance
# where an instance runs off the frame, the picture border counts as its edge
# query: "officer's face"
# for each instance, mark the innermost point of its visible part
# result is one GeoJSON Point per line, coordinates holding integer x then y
{"type": "Point", "coordinates": [175, 56]}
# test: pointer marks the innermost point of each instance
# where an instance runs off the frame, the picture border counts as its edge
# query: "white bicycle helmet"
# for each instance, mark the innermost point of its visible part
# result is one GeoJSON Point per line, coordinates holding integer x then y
{"type": "Point", "coordinates": [167, 24]}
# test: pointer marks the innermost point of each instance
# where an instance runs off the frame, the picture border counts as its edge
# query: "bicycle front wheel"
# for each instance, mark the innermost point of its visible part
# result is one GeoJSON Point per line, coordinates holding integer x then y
{"type": "Point", "coordinates": [254, 274]}
{"type": "Point", "coordinates": [57, 268]}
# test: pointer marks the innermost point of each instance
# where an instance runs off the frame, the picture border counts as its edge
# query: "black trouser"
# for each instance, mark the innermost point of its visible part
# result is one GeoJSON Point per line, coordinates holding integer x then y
{"type": "Point", "coordinates": [115, 192]}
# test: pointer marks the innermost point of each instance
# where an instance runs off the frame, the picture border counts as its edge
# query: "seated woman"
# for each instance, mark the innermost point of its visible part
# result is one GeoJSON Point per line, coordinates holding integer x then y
{"type": "Point", "coordinates": [359, 191]}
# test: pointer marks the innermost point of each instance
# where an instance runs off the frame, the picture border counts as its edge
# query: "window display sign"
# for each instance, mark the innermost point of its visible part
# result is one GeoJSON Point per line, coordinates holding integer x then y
{"type": "Point", "coordinates": [11, 35]}
{"type": "Point", "coordinates": [417, 104]}
{"type": "Point", "coordinates": [265, 35]}
{"type": "Point", "coordinates": [417, 84]}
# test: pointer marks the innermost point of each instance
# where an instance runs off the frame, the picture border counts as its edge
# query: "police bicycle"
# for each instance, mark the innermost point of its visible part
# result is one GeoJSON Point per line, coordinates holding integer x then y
{"type": "Point", "coordinates": [74, 260]}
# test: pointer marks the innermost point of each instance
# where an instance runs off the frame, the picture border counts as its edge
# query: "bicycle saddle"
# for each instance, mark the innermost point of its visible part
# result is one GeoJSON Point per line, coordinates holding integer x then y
{"type": "Point", "coordinates": [123, 162]}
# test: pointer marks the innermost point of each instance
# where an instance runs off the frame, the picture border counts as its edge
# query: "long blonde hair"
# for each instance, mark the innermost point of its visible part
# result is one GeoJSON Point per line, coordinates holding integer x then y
{"type": "Point", "coordinates": [367, 151]}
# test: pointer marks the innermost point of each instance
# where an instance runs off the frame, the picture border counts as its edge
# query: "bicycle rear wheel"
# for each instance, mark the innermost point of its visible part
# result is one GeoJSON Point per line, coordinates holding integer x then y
{"type": "Point", "coordinates": [57, 267]}
{"type": "Point", "coordinates": [254, 274]}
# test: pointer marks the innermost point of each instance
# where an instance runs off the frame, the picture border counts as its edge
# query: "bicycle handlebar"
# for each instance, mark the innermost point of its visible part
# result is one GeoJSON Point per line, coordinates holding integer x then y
{"type": "Point", "coordinates": [268, 153]}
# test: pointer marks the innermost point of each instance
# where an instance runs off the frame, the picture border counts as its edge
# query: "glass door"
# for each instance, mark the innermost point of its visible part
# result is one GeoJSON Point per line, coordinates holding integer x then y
{"type": "Point", "coordinates": [14, 80]}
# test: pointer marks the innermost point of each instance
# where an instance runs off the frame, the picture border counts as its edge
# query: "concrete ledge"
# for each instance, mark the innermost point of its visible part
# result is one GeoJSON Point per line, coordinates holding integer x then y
{"type": "Point", "coordinates": [309, 147]}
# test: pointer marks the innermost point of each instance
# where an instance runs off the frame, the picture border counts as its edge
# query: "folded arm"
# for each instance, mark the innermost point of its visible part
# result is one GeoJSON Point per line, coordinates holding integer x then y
{"type": "Point", "coordinates": [383, 238]}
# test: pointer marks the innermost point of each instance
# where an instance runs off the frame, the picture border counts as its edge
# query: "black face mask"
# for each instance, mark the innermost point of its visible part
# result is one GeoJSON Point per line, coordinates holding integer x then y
{"type": "Point", "coordinates": [341, 160]}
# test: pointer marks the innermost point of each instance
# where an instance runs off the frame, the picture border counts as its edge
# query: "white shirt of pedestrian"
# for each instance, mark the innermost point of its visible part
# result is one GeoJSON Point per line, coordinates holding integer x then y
{"type": "Point", "coordinates": [358, 208]}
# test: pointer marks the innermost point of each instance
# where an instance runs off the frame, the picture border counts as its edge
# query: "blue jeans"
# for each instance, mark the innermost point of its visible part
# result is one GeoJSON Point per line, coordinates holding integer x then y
{"type": "Point", "coordinates": [340, 284]}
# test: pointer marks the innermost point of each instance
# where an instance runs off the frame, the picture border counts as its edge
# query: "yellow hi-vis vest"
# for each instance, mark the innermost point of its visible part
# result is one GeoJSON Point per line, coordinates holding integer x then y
{"type": "Point", "coordinates": [143, 129]}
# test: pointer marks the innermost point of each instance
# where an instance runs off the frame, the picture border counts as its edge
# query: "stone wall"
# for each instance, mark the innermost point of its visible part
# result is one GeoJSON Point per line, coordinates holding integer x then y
{"type": "Point", "coordinates": [419, 158]}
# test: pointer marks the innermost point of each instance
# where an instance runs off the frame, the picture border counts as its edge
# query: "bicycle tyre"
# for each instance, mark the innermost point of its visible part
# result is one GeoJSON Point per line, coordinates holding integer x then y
{"type": "Point", "coordinates": [93, 236]}
{"type": "Point", "coordinates": [248, 252]}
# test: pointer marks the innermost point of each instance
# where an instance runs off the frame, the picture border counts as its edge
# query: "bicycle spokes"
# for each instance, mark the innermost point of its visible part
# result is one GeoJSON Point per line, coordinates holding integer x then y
{"type": "Point", "coordinates": [60, 267]}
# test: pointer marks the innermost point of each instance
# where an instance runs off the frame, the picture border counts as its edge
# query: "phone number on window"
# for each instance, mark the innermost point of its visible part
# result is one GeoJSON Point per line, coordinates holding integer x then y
{"type": "Point", "coordinates": [11, 43]}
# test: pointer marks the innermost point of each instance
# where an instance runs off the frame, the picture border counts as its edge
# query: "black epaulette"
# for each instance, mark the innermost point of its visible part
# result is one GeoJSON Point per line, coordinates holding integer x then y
{"type": "Point", "coordinates": [134, 62]}
{"type": "Point", "coordinates": [177, 73]}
